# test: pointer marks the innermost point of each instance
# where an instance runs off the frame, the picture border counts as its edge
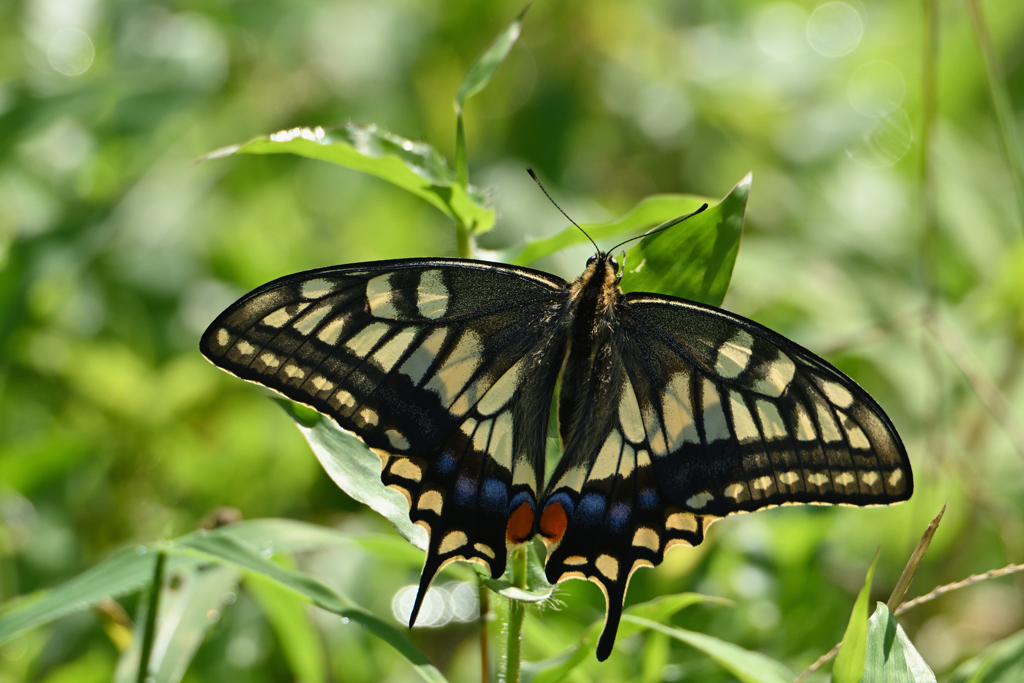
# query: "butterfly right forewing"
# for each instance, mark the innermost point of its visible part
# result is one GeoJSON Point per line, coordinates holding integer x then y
{"type": "Point", "coordinates": [763, 421]}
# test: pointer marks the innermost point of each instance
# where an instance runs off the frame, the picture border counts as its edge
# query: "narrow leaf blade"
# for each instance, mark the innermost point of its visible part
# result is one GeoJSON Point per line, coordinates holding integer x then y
{"type": "Point", "coordinates": [183, 620]}
{"type": "Point", "coordinates": [1003, 662]}
{"type": "Point", "coordinates": [226, 549]}
{"type": "Point", "coordinates": [849, 665]}
{"type": "Point", "coordinates": [480, 74]}
{"type": "Point", "coordinates": [288, 616]}
{"type": "Point", "coordinates": [558, 667]}
{"type": "Point", "coordinates": [124, 572]}
{"type": "Point", "coordinates": [747, 666]}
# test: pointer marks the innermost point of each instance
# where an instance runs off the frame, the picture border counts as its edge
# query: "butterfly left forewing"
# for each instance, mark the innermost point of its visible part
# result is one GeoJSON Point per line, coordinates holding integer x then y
{"type": "Point", "coordinates": [444, 368]}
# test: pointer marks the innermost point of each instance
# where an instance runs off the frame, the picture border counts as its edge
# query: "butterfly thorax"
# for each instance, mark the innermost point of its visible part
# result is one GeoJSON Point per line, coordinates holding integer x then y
{"type": "Point", "coordinates": [593, 296]}
{"type": "Point", "coordinates": [589, 369]}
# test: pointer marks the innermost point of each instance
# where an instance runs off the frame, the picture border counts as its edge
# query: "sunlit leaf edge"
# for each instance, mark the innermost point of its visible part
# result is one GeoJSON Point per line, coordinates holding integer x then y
{"type": "Point", "coordinates": [413, 166]}
{"type": "Point", "coordinates": [355, 469]}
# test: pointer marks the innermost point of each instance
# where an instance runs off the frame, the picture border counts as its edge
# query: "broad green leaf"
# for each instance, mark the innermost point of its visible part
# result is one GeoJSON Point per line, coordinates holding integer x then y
{"type": "Point", "coordinates": [747, 666]}
{"type": "Point", "coordinates": [355, 469]}
{"type": "Point", "coordinates": [479, 75]}
{"type": "Point", "coordinates": [186, 602]}
{"type": "Point", "coordinates": [288, 615]}
{"type": "Point", "coordinates": [124, 572]}
{"type": "Point", "coordinates": [849, 665]}
{"type": "Point", "coordinates": [660, 609]}
{"type": "Point", "coordinates": [694, 259]}
{"type": "Point", "coordinates": [1003, 662]}
{"type": "Point", "coordinates": [890, 656]}
{"type": "Point", "coordinates": [413, 166]}
{"type": "Point", "coordinates": [225, 549]}
{"type": "Point", "coordinates": [646, 214]}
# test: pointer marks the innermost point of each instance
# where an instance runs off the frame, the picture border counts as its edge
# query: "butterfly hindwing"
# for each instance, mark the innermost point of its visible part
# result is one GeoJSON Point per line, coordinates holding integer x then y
{"type": "Point", "coordinates": [445, 369]}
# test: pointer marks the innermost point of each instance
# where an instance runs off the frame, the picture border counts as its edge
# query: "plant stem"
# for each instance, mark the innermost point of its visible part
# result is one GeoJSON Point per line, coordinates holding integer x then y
{"type": "Point", "coordinates": [463, 240]}
{"type": "Point", "coordinates": [485, 615]}
{"type": "Point", "coordinates": [929, 107]}
{"type": "Point", "coordinates": [1001, 101]}
{"type": "Point", "coordinates": [516, 611]}
{"type": "Point", "coordinates": [461, 165]}
{"type": "Point", "coordinates": [149, 630]}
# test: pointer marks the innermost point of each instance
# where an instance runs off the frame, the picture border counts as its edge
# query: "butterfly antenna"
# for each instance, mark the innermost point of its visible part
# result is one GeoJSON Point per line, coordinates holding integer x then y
{"type": "Point", "coordinates": [664, 226]}
{"type": "Point", "coordinates": [537, 180]}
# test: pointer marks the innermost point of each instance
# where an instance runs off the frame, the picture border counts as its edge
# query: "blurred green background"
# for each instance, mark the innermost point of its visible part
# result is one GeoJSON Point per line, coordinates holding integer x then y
{"type": "Point", "coordinates": [902, 262]}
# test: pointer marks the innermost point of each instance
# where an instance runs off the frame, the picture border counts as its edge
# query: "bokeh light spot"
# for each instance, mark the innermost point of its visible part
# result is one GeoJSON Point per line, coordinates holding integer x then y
{"type": "Point", "coordinates": [886, 139]}
{"type": "Point", "coordinates": [834, 29]}
{"type": "Point", "coordinates": [70, 52]}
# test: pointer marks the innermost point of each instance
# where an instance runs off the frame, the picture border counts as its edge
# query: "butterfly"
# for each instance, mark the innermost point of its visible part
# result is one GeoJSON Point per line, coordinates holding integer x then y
{"type": "Point", "coordinates": [671, 414]}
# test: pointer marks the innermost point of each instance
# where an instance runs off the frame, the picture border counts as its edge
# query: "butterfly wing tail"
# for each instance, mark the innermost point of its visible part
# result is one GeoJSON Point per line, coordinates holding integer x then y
{"type": "Point", "coordinates": [431, 567]}
{"type": "Point", "coordinates": [614, 595]}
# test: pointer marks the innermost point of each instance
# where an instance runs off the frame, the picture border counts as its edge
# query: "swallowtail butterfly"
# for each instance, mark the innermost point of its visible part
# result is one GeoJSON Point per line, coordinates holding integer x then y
{"type": "Point", "coordinates": [671, 414]}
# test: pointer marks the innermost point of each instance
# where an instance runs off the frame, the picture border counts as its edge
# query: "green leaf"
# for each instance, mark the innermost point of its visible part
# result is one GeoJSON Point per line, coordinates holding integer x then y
{"type": "Point", "coordinates": [891, 657]}
{"type": "Point", "coordinates": [124, 572]}
{"type": "Point", "coordinates": [287, 535]}
{"type": "Point", "coordinates": [225, 549]}
{"type": "Point", "coordinates": [1003, 662]}
{"type": "Point", "coordinates": [692, 260]}
{"type": "Point", "coordinates": [242, 546]}
{"type": "Point", "coordinates": [849, 666]}
{"type": "Point", "coordinates": [183, 620]}
{"type": "Point", "coordinates": [479, 75]}
{"type": "Point", "coordinates": [747, 666]}
{"type": "Point", "coordinates": [131, 569]}
{"type": "Point", "coordinates": [416, 167]}
{"type": "Point", "coordinates": [648, 213]}
{"type": "Point", "coordinates": [660, 609]}
{"type": "Point", "coordinates": [288, 615]}
{"type": "Point", "coordinates": [355, 469]}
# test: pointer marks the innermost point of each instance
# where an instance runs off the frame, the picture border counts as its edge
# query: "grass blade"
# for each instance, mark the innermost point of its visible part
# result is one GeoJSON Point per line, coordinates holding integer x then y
{"type": "Point", "coordinates": [849, 666]}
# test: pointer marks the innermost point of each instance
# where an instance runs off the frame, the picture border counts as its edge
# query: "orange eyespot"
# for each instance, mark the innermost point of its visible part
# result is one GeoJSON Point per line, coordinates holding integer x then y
{"type": "Point", "coordinates": [520, 524]}
{"type": "Point", "coordinates": [553, 522]}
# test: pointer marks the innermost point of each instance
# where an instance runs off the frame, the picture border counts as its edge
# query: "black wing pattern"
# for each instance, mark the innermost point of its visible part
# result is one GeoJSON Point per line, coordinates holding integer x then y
{"type": "Point", "coordinates": [688, 414]}
{"type": "Point", "coordinates": [445, 368]}
{"type": "Point", "coordinates": [671, 414]}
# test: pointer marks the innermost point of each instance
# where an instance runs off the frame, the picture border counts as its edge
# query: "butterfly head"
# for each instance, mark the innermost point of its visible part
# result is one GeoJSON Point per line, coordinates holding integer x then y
{"type": "Point", "coordinates": [602, 268]}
